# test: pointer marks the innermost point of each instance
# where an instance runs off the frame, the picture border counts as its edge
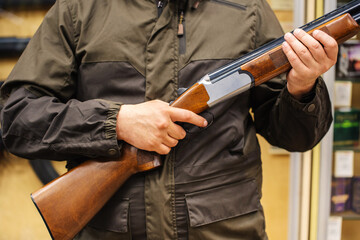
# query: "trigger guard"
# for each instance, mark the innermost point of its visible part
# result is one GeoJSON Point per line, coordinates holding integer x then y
{"type": "Point", "coordinates": [192, 129]}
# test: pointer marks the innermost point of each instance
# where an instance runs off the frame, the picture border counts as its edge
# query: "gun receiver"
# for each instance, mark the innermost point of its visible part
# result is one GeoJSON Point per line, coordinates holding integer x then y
{"type": "Point", "coordinates": [97, 180]}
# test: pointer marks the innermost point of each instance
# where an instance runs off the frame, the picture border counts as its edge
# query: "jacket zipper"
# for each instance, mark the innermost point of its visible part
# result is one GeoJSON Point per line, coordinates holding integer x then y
{"type": "Point", "coordinates": [230, 4]}
{"type": "Point", "coordinates": [181, 33]}
{"type": "Point", "coordinates": [160, 7]}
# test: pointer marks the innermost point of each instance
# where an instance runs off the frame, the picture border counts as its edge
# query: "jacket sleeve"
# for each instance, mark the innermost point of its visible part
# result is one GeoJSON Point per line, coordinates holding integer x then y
{"type": "Point", "coordinates": [41, 117]}
{"type": "Point", "coordinates": [284, 121]}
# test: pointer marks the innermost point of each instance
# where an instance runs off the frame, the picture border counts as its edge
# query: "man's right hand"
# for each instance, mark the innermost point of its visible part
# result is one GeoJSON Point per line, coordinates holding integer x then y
{"type": "Point", "coordinates": [151, 125]}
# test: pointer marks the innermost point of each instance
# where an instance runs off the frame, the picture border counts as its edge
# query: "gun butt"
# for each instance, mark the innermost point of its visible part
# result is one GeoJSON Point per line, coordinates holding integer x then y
{"type": "Point", "coordinates": [69, 202]}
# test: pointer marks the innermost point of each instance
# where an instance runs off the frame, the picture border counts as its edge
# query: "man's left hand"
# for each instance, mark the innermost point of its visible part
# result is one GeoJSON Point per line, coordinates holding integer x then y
{"type": "Point", "coordinates": [310, 56]}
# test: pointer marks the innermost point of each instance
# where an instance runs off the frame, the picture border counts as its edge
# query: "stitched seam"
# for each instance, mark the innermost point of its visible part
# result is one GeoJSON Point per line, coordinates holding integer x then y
{"type": "Point", "coordinates": [73, 20]}
{"type": "Point", "coordinates": [73, 67]}
{"type": "Point", "coordinates": [172, 158]}
{"type": "Point", "coordinates": [256, 13]}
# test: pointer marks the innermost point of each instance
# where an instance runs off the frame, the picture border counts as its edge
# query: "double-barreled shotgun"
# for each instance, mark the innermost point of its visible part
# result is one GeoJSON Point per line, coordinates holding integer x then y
{"type": "Point", "coordinates": [69, 202]}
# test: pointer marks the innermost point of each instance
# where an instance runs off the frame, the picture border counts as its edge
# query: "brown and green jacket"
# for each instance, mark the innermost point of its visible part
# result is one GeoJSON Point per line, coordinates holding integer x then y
{"type": "Point", "coordinates": [89, 57]}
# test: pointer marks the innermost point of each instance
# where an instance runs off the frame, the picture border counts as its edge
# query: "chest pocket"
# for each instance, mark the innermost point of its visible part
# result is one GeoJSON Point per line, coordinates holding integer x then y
{"type": "Point", "coordinates": [227, 33]}
{"type": "Point", "coordinates": [228, 212]}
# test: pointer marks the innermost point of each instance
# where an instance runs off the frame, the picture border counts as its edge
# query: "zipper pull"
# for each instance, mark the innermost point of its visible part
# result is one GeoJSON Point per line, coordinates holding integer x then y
{"type": "Point", "coordinates": [181, 25]}
{"type": "Point", "coordinates": [160, 6]}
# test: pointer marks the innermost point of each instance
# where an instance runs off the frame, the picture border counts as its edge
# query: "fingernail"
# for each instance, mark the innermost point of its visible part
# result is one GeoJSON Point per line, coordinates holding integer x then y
{"type": "Point", "coordinates": [315, 32]}
{"type": "Point", "coordinates": [287, 35]}
{"type": "Point", "coordinates": [297, 31]}
{"type": "Point", "coordinates": [205, 123]}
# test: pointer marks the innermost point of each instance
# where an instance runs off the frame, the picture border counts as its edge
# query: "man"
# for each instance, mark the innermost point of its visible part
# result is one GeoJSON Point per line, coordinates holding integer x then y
{"type": "Point", "coordinates": [100, 73]}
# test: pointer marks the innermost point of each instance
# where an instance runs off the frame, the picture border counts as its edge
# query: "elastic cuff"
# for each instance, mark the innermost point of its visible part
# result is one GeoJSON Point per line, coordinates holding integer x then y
{"type": "Point", "coordinates": [110, 124]}
{"type": "Point", "coordinates": [309, 102]}
{"type": "Point", "coordinates": [308, 97]}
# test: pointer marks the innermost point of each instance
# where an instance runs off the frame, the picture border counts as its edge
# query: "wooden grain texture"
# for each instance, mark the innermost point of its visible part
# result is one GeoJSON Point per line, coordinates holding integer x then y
{"type": "Point", "coordinates": [274, 62]}
{"type": "Point", "coordinates": [61, 202]}
{"type": "Point", "coordinates": [194, 99]}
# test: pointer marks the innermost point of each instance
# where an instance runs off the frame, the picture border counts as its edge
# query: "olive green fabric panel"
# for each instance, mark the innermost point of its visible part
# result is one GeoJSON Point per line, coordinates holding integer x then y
{"type": "Point", "coordinates": [162, 83]}
{"type": "Point", "coordinates": [160, 202]}
{"type": "Point", "coordinates": [99, 20]}
{"type": "Point", "coordinates": [227, 33]}
{"type": "Point", "coordinates": [162, 57]}
{"type": "Point", "coordinates": [243, 26]}
{"type": "Point", "coordinates": [267, 25]}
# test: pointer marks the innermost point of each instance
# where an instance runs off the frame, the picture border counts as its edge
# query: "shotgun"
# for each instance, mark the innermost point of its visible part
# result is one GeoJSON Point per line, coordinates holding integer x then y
{"type": "Point", "coordinates": [61, 202]}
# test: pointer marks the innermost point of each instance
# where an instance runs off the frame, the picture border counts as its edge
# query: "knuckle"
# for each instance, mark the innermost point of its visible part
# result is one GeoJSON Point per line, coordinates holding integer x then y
{"type": "Point", "coordinates": [164, 151]}
{"type": "Point", "coordinates": [292, 58]}
{"type": "Point", "coordinates": [324, 69]}
{"type": "Point", "coordinates": [316, 45]}
{"type": "Point", "coordinates": [157, 135]}
{"type": "Point", "coordinates": [187, 116]}
{"type": "Point", "coordinates": [332, 44]}
{"type": "Point", "coordinates": [152, 143]}
{"type": "Point", "coordinates": [303, 52]}
{"type": "Point", "coordinates": [162, 124]}
{"type": "Point", "coordinates": [162, 111]}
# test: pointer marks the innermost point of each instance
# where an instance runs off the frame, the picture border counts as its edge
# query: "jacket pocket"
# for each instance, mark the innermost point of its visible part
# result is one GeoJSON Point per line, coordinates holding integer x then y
{"type": "Point", "coordinates": [114, 219]}
{"type": "Point", "coordinates": [228, 212]}
{"type": "Point", "coordinates": [222, 203]}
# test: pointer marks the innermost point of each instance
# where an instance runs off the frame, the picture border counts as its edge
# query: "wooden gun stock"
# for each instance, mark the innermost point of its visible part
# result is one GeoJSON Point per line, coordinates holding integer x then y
{"type": "Point", "coordinates": [69, 202]}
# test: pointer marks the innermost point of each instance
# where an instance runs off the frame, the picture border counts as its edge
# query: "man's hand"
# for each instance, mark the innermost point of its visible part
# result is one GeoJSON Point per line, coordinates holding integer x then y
{"type": "Point", "coordinates": [308, 58]}
{"type": "Point", "coordinates": [151, 125]}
